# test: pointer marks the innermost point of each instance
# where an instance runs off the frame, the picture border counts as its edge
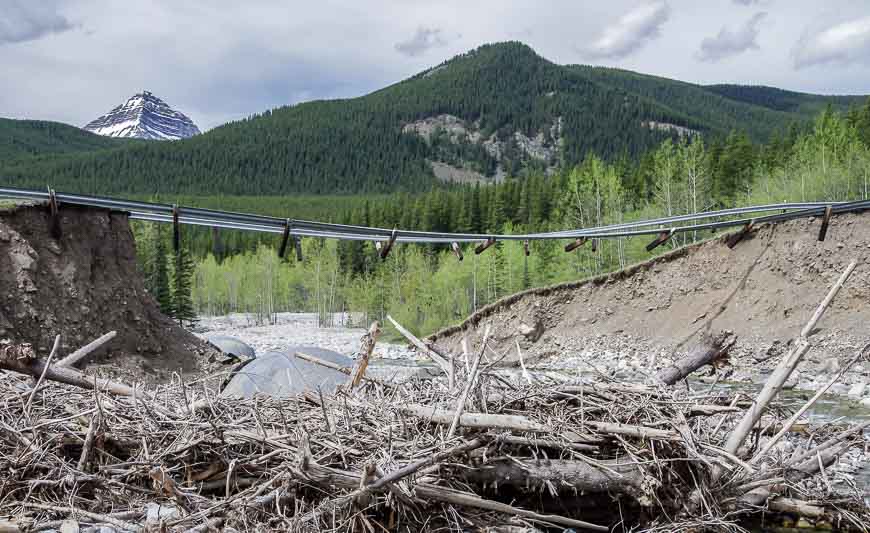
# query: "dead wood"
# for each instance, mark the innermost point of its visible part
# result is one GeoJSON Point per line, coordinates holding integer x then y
{"type": "Point", "coordinates": [86, 350]}
{"type": "Point", "coordinates": [420, 455]}
{"type": "Point", "coordinates": [709, 350]}
{"type": "Point", "coordinates": [365, 353]}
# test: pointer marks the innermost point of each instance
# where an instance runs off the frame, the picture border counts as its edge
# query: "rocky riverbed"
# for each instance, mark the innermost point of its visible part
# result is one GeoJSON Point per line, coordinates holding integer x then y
{"type": "Point", "coordinates": [628, 359]}
{"type": "Point", "coordinates": [622, 356]}
{"type": "Point", "coordinates": [297, 329]}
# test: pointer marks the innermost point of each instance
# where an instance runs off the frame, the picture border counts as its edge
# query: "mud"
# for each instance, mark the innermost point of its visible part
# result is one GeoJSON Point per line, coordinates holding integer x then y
{"type": "Point", "coordinates": [636, 320]}
{"type": "Point", "coordinates": [83, 285]}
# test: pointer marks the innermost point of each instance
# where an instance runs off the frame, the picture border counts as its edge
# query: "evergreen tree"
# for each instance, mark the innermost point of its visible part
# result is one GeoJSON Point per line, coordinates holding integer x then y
{"type": "Point", "coordinates": [159, 281]}
{"type": "Point", "coordinates": [182, 302]}
{"type": "Point", "coordinates": [860, 120]}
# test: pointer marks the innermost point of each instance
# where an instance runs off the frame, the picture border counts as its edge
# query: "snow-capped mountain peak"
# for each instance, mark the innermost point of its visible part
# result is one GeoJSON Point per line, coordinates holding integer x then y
{"type": "Point", "coordinates": [144, 116]}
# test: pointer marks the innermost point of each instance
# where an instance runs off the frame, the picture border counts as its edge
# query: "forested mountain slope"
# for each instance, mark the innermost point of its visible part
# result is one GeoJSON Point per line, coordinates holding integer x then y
{"type": "Point", "coordinates": [498, 110]}
{"type": "Point", "coordinates": [27, 138]}
{"type": "Point", "coordinates": [804, 104]}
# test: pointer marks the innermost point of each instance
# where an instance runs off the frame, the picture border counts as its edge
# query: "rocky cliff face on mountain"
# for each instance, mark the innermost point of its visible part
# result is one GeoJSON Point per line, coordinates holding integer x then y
{"type": "Point", "coordinates": [144, 116]}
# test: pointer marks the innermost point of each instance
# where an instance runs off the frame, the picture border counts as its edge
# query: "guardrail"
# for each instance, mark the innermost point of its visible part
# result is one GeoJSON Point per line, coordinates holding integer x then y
{"type": "Point", "coordinates": [663, 227]}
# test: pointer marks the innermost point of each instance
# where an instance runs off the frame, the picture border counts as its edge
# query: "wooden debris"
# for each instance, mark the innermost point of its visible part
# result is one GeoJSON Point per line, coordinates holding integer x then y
{"type": "Point", "coordinates": [365, 353]}
{"type": "Point", "coordinates": [826, 219]}
{"type": "Point", "coordinates": [385, 249]}
{"type": "Point", "coordinates": [709, 350]}
{"type": "Point", "coordinates": [86, 350]}
{"type": "Point", "coordinates": [735, 238]}
{"type": "Point", "coordinates": [54, 215]}
{"type": "Point", "coordinates": [285, 238]}
{"type": "Point", "coordinates": [477, 453]}
{"type": "Point", "coordinates": [576, 244]}
{"type": "Point", "coordinates": [662, 238]}
{"type": "Point", "coordinates": [482, 247]}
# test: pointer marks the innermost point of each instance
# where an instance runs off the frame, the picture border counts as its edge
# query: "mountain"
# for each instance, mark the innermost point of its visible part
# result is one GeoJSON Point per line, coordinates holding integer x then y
{"type": "Point", "coordinates": [30, 138]}
{"type": "Point", "coordinates": [782, 100]}
{"type": "Point", "coordinates": [144, 116]}
{"type": "Point", "coordinates": [498, 110]}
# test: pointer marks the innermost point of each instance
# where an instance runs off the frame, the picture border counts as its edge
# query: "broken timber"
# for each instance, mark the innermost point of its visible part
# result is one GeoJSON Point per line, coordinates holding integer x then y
{"type": "Point", "coordinates": [826, 219]}
{"type": "Point", "coordinates": [480, 248]}
{"type": "Point", "coordinates": [663, 237]}
{"type": "Point", "coordinates": [734, 239]}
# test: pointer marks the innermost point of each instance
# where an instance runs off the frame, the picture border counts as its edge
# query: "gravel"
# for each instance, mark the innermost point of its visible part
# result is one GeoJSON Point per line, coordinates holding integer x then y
{"type": "Point", "coordinates": [297, 329]}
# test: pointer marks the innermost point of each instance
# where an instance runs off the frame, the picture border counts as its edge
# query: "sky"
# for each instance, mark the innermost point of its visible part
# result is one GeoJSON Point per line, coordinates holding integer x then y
{"type": "Point", "coordinates": [218, 60]}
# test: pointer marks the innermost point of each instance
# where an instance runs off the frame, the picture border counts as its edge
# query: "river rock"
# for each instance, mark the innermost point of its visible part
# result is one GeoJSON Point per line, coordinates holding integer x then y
{"type": "Point", "coordinates": [773, 350]}
{"type": "Point", "coordinates": [857, 390]}
{"type": "Point", "coordinates": [69, 526]}
{"type": "Point", "coordinates": [282, 374]}
{"type": "Point", "coordinates": [231, 346]}
{"type": "Point", "coordinates": [836, 388]}
{"type": "Point", "coordinates": [865, 402]}
{"type": "Point", "coordinates": [155, 512]}
{"type": "Point", "coordinates": [531, 333]}
{"type": "Point", "coordinates": [831, 366]}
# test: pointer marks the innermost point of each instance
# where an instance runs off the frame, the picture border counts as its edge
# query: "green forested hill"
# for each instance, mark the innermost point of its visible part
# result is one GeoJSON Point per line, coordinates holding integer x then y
{"type": "Point", "coordinates": [508, 110]}
{"type": "Point", "coordinates": [28, 138]}
{"type": "Point", "coordinates": [804, 104]}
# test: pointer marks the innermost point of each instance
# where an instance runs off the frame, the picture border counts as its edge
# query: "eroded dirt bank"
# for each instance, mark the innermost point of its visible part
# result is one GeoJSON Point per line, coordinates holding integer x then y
{"type": "Point", "coordinates": [764, 290]}
{"type": "Point", "coordinates": [81, 286]}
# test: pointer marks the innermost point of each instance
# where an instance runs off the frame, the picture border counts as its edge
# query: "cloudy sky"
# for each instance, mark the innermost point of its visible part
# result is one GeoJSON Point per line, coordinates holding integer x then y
{"type": "Point", "coordinates": [219, 60]}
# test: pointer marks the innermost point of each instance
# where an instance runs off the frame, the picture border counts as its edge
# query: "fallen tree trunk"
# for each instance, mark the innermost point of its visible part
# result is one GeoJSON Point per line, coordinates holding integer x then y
{"type": "Point", "coordinates": [20, 359]}
{"type": "Point", "coordinates": [332, 477]}
{"type": "Point", "coordinates": [86, 350]}
{"type": "Point", "coordinates": [565, 476]}
{"type": "Point", "coordinates": [710, 349]}
{"type": "Point", "coordinates": [365, 353]}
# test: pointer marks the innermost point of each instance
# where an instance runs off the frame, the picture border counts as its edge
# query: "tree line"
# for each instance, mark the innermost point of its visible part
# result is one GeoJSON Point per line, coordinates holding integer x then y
{"type": "Point", "coordinates": [358, 145]}
{"type": "Point", "coordinates": [427, 287]}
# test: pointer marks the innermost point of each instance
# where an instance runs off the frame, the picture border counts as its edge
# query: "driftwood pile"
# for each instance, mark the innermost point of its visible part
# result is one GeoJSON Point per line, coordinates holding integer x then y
{"type": "Point", "coordinates": [476, 451]}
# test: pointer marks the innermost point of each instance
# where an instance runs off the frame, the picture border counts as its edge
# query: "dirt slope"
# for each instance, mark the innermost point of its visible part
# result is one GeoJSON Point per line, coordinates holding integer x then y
{"type": "Point", "coordinates": [764, 290]}
{"type": "Point", "coordinates": [81, 286]}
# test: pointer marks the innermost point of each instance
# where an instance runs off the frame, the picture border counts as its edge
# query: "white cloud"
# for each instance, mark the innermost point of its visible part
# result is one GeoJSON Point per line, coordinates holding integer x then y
{"type": "Point", "coordinates": [631, 32]}
{"type": "Point", "coordinates": [218, 60]}
{"type": "Point", "coordinates": [843, 43]}
{"type": "Point", "coordinates": [746, 2]}
{"type": "Point", "coordinates": [421, 42]}
{"type": "Point", "coordinates": [729, 42]}
{"type": "Point", "coordinates": [28, 20]}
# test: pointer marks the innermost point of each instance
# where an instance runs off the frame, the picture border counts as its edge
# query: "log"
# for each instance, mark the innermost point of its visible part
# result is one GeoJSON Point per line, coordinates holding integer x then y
{"type": "Point", "coordinates": [336, 367]}
{"type": "Point", "coordinates": [640, 432]}
{"type": "Point", "coordinates": [475, 368]}
{"type": "Point", "coordinates": [8, 526]}
{"type": "Point", "coordinates": [440, 361]}
{"type": "Point", "coordinates": [327, 476]}
{"type": "Point", "coordinates": [45, 368]}
{"type": "Point", "coordinates": [824, 459]}
{"type": "Point", "coordinates": [566, 476]}
{"type": "Point", "coordinates": [385, 249]}
{"type": "Point", "coordinates": [86, 350]}
{"type": "Point", "coordinates": [784, 370]}
{"type": "Point", "coordinates": [368, 346]}
{"type": "Point", "coordinates": [797, 507]}
{"type": "Point", "coordinates": [708, 350]}
{"type": "Point", "coordinates": [826, 219]}
{"type": "Point", "coordinates": [36, 368]}
{"type": "Point", "coordinates": [524, 424]}
{"type": "Point", "coordinates": [794, 418]}
{"type": "Point", "coordinates": [476, 420]}
{"type": "Point", "coordinates": [458, 497]}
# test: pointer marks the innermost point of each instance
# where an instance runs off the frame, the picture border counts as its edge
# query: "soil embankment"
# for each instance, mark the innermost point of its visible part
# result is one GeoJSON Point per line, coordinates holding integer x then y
{"type": "Point", "coordinates": [82, 285]}
{"type": "Point", "coordinates": [635, 320]}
